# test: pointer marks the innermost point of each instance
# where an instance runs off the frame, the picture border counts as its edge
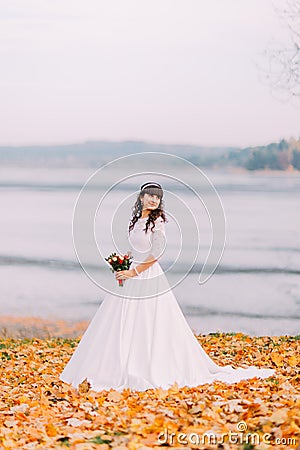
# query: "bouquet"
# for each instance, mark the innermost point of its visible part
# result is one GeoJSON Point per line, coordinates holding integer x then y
{"type": "Point", "coordinates": [119, 262]}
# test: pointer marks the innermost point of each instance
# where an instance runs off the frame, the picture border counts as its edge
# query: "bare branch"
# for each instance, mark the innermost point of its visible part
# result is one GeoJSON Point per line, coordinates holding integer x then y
{"type": "Point", "coordinates": [284, 64]}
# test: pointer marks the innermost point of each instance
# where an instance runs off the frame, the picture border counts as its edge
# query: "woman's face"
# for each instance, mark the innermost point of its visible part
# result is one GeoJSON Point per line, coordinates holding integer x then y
{"type": "Point", "coordinates": [150, 201]}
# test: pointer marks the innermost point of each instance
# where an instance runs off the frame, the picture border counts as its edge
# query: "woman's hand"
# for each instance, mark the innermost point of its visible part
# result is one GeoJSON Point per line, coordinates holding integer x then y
{"type": "Point", "coordinates": [124, 274]}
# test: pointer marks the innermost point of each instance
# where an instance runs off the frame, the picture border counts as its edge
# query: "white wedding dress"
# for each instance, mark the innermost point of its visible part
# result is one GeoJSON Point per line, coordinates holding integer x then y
{"type": "Point", "coordinates": [141, 340]}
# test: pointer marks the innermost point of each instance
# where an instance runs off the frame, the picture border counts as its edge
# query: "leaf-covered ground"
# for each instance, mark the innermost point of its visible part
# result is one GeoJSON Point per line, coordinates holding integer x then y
{"type": "Point", "coordinates": [38, 411]}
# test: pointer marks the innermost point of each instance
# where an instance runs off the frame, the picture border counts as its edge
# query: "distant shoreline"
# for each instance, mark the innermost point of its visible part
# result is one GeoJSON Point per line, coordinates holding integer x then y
{"type": "Point", "coordinates": [281, 156]}
{"type": "Point", "coordinates": [242, 170]}
{"type": "Point", "coordinates": [14, 327]}
{"type": "Point", "coordinates": [216, 169]}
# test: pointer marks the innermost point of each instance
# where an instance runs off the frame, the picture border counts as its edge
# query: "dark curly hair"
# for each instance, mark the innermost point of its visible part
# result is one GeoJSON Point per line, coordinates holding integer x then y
{"type": "Point", "coordinates": [151, 189]}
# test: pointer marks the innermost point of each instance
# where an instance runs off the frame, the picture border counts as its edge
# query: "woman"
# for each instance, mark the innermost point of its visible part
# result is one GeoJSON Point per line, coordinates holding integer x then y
{"type": "Point", "coordinates": [142, 340]}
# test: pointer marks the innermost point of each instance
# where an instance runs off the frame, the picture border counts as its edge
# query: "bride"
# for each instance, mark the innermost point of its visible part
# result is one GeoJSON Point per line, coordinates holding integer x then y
{"type": "Point", "coordinates": [141, 340]}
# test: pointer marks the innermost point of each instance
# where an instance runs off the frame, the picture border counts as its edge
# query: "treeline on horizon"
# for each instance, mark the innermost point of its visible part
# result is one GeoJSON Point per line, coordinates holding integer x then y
{"type": "Point", "coordinates": [282, 155]}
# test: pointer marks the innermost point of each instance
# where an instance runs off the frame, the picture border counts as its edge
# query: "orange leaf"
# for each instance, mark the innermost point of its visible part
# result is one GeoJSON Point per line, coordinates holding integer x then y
{"type": "Point", "coordinates": [50, 430]}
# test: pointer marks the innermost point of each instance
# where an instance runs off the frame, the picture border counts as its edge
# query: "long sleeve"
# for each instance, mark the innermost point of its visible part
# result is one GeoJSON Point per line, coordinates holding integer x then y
{"type": "Point", "coordinates": [158, 239]}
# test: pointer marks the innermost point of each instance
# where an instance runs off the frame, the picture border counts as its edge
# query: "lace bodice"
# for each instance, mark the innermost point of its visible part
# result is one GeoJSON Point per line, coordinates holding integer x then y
{"type": "Point", "coordinates": [151, 243]}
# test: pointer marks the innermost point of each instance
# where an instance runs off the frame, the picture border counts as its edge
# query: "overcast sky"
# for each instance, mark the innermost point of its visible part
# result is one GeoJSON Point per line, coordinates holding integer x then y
{"type": "Point", "coordinates": [158, 70]}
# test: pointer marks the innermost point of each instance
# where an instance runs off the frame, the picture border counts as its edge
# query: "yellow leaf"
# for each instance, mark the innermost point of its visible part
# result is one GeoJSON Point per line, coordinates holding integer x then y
{"type": "Point", "coordinates": [50, 430]}
{"type": "Point", "coordinates": [293, 360]}
{"type": "Point", "coordinates": [23, 398]}
{"type": "Point", "coordinates": [114, 396]}
{"type": "Point", "coordinates": [277, 359]}
{"type": "Point", "coordinates": [84, 386]}
{"type": "Point", "coordinates": [174, 388]}
{"type": "Point", "coordinates": [292, 428]}
{"type": "Point", "coordinates": [279, 416]}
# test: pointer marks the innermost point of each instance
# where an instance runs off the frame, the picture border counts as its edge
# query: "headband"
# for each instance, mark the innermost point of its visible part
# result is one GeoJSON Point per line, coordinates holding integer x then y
{"type": "Point", "coordinates": [150, 184]}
